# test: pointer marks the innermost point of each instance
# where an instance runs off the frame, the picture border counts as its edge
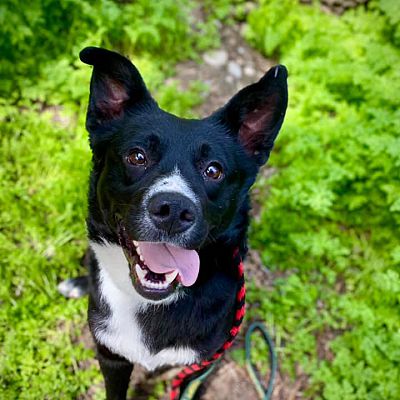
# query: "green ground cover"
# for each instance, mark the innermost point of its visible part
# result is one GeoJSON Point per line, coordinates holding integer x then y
{"type": "Point", "coordinates": [329, 227]}
{"type": "Point", "coordinates": [331, 219]}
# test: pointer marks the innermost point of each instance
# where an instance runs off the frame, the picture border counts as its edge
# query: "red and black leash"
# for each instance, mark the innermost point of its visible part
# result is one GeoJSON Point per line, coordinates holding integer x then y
{"type": "Point", "coordinates": [239, 314]}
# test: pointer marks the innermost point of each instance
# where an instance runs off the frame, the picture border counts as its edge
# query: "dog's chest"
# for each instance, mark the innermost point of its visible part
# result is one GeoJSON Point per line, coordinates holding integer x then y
{"type": "Point", "coordinates": [121, 332]}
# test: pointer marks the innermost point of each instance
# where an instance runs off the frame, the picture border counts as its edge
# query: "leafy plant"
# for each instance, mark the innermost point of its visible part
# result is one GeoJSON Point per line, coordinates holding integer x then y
{"type": "Point", "coordinates": [40, 43]}
{"type": "Point", "coordinates": [331, 220]}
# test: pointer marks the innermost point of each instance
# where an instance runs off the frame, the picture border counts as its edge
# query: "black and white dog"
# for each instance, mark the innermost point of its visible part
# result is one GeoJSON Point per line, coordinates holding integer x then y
{"type": "Point", "coordinates": [168, 206]}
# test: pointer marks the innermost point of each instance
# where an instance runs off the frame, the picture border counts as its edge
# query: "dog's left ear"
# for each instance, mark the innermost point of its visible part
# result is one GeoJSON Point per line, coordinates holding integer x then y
{"type": "Point", "coordinates": [256, 113]}
{"type": "Point", "coordinates": [116, 85]}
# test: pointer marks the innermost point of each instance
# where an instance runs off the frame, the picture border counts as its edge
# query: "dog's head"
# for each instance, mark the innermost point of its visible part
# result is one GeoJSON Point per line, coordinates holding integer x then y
{"type": "Point", "coordinates": [167, 186]}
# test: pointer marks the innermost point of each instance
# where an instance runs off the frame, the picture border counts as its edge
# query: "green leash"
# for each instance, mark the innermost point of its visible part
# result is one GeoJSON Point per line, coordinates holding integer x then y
{"type": "Point", "coordinates": [264, 394]}
{"type": "Point", "coordinates": [194, 385]}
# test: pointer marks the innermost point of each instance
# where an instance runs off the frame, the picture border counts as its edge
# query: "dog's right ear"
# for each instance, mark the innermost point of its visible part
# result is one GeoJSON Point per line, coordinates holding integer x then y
{"type": "Point", "coordinates": [115, 86]}
{"type": "Point", "coordinates": [256, 113]}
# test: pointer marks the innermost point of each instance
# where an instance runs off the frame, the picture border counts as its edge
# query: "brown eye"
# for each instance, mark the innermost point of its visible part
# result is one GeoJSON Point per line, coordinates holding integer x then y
{"type": "Point", "coordinates": [213, 171]}
{"type": "Point", "coordinates": [137, 157]}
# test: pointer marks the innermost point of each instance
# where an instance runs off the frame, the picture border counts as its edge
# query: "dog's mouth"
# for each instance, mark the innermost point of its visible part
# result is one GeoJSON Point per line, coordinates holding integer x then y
{"type": "Point", "coordinates": [157, 269]}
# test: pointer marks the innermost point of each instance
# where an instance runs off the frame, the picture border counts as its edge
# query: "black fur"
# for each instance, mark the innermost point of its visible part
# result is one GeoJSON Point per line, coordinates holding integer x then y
{"type": "Point", "coordinates": [122, 115]}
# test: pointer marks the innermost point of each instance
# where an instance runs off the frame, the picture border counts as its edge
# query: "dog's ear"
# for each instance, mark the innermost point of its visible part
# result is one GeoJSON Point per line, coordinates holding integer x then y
{"type": "Point", "coordinates": [256, 113]}
{"type": "Point", "coordinates": [116, 84]}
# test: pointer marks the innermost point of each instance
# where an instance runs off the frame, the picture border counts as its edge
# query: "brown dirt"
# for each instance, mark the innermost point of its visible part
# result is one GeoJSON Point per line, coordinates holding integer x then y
{"type": "Point", "coordinates": [223, 84]}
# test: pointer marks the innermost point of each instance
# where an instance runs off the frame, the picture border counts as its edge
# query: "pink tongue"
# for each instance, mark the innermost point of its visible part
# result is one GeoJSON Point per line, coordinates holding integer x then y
{"type": "Point", "coordinates": [162, 258]}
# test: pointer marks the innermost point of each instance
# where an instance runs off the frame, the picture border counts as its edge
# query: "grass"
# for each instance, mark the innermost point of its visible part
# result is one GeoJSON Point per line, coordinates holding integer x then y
{"type": "Point", "coordinates": [329, 227]}
{"type": "Point", "coordinates": [331, 221]}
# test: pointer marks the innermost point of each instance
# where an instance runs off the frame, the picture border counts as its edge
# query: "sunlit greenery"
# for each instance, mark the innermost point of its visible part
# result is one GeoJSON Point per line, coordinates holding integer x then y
{"type": "Point", "coordinates": [330, 214]}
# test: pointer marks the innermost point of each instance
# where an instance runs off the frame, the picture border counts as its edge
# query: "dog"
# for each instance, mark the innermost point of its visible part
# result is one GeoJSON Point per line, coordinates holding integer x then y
{"type": "Point", "coordinates": [168, 206]}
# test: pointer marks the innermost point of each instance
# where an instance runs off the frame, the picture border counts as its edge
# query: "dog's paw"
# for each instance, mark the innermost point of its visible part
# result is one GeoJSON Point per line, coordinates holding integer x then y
{"type": "Point", "coordinates": [74, 288]}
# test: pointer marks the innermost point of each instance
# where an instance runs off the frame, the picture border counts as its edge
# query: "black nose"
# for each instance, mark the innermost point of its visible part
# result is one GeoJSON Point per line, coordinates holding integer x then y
{"type": "Point", "coordinates": [172, 212]}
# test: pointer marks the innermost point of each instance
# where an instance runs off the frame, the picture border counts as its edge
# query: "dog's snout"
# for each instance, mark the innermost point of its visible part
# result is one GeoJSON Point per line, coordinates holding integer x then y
{"type": "Point", "coordinates": [171, 212]}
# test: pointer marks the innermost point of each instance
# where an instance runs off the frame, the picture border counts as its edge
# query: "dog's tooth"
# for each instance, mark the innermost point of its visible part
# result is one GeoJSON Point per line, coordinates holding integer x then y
{"type": "Point", "coordinates": [141, 258]}
{"type": "Point", "coordinates": [138, 250]}
{"type": "Point", "coordinates": [146, 283]}
{"type": "Point", "coordinates": [171, 276]}
{"type": "Point", "coordinates": [164, 285]}
{"type": "Point", "coordinates": [154, 285]}
{"type": "Point", "coordinates": [135, 243]}
{"type": "Point", "coordinates": [160, 286]}
{"type": "Point", "coordinates": [140, 273]}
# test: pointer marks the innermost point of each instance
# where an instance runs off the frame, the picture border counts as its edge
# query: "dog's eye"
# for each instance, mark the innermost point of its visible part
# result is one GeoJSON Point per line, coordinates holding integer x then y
{"type": "Point", "coordinates": [214, 171]}
{"type": "Point", "coordinates": [137, 157]}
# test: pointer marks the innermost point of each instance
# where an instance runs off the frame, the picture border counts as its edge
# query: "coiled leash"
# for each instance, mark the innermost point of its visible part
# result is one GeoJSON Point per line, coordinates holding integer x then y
{"type": "Point", "coordinates": [264, 394]}
{"type": "Point", "coordinates": [207, 366]}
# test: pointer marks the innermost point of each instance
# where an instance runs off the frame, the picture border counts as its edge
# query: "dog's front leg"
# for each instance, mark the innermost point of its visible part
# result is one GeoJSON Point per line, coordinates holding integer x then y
{"type": "Point", "coordinates": [116, 371]}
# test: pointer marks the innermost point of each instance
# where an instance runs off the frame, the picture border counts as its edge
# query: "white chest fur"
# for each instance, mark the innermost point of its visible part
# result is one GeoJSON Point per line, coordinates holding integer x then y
{"type": "Point", "coordinates": [121, 333]}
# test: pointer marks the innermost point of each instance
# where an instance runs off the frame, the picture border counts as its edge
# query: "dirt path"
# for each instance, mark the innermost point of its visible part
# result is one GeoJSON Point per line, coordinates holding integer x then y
{"type": "Point", "coordinates": [225, 70]}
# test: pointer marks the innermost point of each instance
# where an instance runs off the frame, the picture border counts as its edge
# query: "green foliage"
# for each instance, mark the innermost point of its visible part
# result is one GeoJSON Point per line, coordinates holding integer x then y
{"type": "Point", "coordinates": [184, 103]}
{"type": "Point", "coordinates": [390, 8]}
{"type": "Point", "coordinates": [332, 217]}
{"type": "Point", "coordinates": [41, 356]}
{"type": "Point", "coordinates": [224, 10]}
{"type": "Point", "coordinates": [40, 43]}
{"type": "Point", "coordinates": [330, 227]}
{"type": "Point", "coordinates": [44, 170]}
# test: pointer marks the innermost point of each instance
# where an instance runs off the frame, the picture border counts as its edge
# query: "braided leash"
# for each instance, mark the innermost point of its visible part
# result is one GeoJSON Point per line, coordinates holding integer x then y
{"type": "Point", "coordinates": [239, 314]}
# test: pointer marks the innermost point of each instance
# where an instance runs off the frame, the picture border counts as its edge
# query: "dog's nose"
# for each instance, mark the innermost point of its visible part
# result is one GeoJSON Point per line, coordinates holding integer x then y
{"type": "Point", "coordinates": [172, 212]}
